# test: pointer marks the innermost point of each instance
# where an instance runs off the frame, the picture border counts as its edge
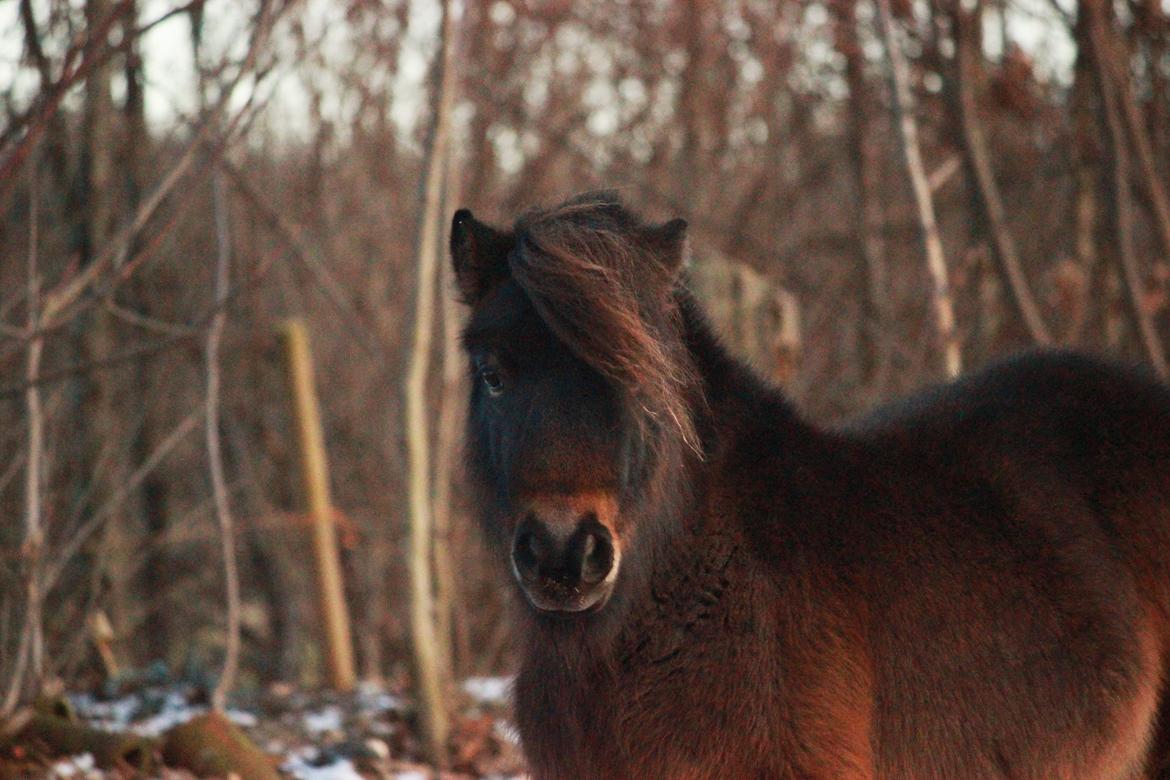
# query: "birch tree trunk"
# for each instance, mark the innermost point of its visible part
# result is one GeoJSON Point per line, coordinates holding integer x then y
{"type": "Point", "coordinates": [429, 676]}
{"type": "Point", "coordinates": [902, 105]}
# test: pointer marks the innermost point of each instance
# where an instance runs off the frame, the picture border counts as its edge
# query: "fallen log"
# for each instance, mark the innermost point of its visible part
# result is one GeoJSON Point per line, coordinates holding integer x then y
{"type": "Point", "coordinates": [59, 736]}
{"type": "Point", "coordinates": [211, 745]}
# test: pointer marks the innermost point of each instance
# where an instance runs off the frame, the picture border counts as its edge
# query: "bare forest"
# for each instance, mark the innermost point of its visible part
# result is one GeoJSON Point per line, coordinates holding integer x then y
{"type": "Point", "coordinates": [231, 394]}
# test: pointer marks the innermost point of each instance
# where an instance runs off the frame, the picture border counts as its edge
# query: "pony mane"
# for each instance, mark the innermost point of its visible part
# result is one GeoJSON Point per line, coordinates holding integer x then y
{"type": "Point", "coordinates": [600, 281]}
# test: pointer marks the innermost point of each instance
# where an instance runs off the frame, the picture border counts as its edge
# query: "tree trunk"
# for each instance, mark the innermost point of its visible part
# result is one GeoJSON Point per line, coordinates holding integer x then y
{"type": "Point", "coordinates": [152, 501]}
{"type": "Point", "coordinates": [105, 460]}
{"type": "Point", "coordinates": [29, 667]}
{"type": "Point", "coordinates": [869, 219]}
{"type": "Point", "coordinates": [430, 677]}
{"type": "Point", "coordinates": [219, 488]}
{"type": "Point", "coordinates": [1092, 241]}
{"type": "Point", "coordinates": [902, 104]}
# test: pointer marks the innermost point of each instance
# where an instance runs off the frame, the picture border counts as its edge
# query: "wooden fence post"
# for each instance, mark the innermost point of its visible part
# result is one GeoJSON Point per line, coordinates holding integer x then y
{"type": "Point", "coordinates": [315, 470]}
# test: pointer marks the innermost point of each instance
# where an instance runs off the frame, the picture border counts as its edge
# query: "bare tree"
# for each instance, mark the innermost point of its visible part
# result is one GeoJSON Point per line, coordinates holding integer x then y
{"type": "Point", "coordinates": [869, 216]}
{"type": "Point", "coordinates": [223, 510]}
{"type": "Point", "coordinates": [978, 158]}
{"type": "Point", "coordinates": [222, 280]}
{"type": "Point", "coordinates": [106, 462]}
{"type": "Point", "coordinates": [1112, 53]}
{"type": "Point", "coordinates": [902, 104]}
{"type": "Point", "coordinates": [1099, 32]}
{"type": "Point", "coordinates": [29, 669]}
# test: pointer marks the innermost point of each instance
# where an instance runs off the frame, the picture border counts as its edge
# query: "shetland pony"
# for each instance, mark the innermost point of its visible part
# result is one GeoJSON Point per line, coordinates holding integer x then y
{"type": "Point", "coordinates": [972, 583]}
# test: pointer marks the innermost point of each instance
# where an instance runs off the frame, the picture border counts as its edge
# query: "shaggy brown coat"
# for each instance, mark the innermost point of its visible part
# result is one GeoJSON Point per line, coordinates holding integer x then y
{"type": "Point", "coordinates": [972, 583]}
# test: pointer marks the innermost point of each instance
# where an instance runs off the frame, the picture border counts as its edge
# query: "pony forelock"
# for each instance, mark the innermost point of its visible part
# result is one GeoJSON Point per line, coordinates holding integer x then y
{"type": "Point", "coordinates": [589, 273]}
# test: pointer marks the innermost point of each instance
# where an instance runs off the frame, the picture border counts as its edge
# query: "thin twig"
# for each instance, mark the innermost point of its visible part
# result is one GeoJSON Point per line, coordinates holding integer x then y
{"type": "Point", "coordinates": [148, 323]}
{"type": "Point", "coordinates": [944, 172]}
{"type": "Point", "coordinates": [10, 471]}
{"type": "Point", "coordinates": [51, 92]}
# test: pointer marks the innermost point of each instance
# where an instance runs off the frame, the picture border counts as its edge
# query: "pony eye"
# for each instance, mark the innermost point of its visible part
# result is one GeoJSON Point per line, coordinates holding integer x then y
{"type": "Point", "coordinates": [492, 379]}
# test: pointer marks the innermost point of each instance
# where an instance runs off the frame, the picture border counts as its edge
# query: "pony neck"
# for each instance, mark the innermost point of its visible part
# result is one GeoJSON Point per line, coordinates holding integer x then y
{"type": "Point", "coordinates": [731, 394]}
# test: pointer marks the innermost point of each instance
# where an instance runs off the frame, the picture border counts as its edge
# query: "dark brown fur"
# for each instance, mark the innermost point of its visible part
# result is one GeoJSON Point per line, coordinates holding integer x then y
{"type": "Point", "coordinates": [972, 583]}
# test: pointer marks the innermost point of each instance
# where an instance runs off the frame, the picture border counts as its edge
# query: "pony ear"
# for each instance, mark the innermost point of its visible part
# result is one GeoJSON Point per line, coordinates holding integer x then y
{"type": "Point", "coordinates": [670, 247]}
{"type": "Point", "coordinates": [479, 254]}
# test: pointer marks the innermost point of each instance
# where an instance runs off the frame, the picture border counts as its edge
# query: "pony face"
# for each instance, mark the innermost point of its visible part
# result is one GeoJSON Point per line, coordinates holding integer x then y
{"type": "Point", "coordinates": [568, 421]}
{"type": "Point", "coordinates": [547, 440]}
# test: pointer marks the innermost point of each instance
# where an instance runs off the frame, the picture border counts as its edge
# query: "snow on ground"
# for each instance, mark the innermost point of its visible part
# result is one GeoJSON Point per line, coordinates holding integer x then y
{"type": "Point", "coordinates": [373, 699]}
{"type": "Point", "coordinates": [81, 766]}
{"type": "Point", "coordinates": [148, 713]}
{"type": "Point", "coordinates": [489, 690]}
{"type": "Point", "coordinates": [315, 735]}
{"type": "Point", "coordinates": [303, 765]}
{"type": "Point", "coordinates": [323, 720]}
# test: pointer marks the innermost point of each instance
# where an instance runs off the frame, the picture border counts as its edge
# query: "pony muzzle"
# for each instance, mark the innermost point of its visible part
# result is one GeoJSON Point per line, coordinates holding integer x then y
{"type": "Point", "coordinates": [565, 561]}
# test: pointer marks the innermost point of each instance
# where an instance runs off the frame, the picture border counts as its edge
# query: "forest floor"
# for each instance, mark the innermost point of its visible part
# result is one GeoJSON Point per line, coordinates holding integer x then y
{"type": "Point", "coordinates": [371, 733]}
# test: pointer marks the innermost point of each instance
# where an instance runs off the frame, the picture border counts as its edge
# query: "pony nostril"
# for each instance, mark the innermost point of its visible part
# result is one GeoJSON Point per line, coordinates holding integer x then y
{"type": "Point", "coordinates": [596, 556]}
{"type": "Point", "coordinates": [526, 553]}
